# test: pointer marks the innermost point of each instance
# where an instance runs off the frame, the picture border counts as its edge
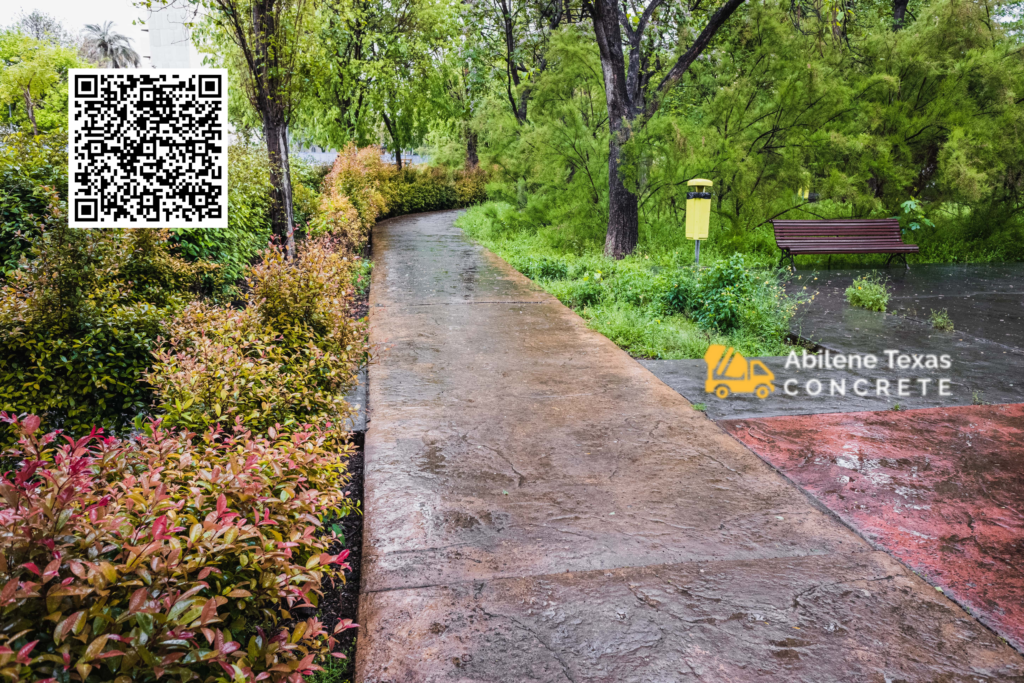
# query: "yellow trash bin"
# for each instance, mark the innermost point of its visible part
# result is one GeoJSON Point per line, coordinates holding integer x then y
{"type": "Point", "coordinates": [698, 211]}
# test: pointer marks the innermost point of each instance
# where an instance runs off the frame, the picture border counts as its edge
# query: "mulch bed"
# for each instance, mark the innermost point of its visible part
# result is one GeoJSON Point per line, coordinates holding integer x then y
{"type": "Point", "coordinates": [341, 599]}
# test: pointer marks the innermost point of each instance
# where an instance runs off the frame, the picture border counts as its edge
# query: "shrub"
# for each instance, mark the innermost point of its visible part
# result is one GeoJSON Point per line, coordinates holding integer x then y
{"type": "Point", "coordinates": [416, 190]}
{"type": "Point", "coordinates": [248, 231]}
{"type": "Point", "coordinates": [352, 201]}
{"type": "Point", "coordinates": [720, 294]}
{"type": "Point", "coordinates": [870, 292]}
{"type": "Point", "coordinates": [360, 189]}
{"type": "Point", "coordinates": [285, 359]}
{"type": "Point", "coordinates": [79, 318]}
{"type": "Point", "coordinates": [168, 556]}
{"type": "Point", "coordinates": [470, 187]}
{"type": "Point", "coordinates": [307, 299]}
{"type": "Point", "coordinates": [681, 295]}
{"type": "Point", "coordinates": [32, 170]}
{"type": "Point", "coordinates": [940, 320]}
{"type": "Point", "coordinates": [307, 183]}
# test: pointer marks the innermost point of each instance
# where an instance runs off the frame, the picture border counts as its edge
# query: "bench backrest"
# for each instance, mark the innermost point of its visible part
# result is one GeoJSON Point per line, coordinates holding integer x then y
{"type": "Point", "coordinates": [881, 231]}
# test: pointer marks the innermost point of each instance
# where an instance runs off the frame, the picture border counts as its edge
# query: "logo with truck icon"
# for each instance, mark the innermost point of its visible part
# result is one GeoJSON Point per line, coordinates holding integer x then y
{"type": "Point", "coordinates": [730, 373]}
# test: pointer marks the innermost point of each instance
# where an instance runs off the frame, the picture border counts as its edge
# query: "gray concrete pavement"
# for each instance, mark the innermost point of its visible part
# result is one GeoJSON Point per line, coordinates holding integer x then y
{"type": "Point", "coordinates": [540, 507]}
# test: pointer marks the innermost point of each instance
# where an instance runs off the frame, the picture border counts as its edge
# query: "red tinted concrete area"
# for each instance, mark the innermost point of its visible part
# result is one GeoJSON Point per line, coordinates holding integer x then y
{"type": "Point", "coordinates": [941, 489]}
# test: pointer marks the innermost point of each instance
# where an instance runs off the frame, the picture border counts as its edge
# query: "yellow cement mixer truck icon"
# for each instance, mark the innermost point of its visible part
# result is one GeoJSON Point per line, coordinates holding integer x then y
{"type": "Point", "coordinates": [729, 372]}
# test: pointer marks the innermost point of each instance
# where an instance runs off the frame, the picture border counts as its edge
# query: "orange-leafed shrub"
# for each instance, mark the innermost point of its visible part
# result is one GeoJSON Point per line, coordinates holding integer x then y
{"type": "Point", "coordinates": [287, 358]}
{"type": "Point", "coordinates": [352, 200]}
{"type": "Point", "coordinates": [172, 556]}
{"type": "Point", "coordinates": [360, 189]}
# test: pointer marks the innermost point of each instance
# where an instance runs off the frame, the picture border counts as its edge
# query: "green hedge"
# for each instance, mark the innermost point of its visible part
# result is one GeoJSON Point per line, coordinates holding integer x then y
{"type": "Point", "coordinates": [415, 190]}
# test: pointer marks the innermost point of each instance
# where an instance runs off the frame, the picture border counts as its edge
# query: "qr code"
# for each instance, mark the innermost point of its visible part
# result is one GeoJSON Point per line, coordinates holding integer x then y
{"type": "Point", "coordinates": [148, 148]}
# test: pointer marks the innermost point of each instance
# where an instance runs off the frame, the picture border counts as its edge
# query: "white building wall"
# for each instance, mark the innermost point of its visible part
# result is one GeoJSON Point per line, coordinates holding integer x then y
{"type": "Point", "coordinates": [169, 43]}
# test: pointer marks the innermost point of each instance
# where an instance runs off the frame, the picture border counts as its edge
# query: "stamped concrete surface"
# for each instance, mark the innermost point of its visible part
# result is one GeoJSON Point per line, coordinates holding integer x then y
{"type": "Point", "coordinates": [941, 489]}
{"type": "Point", "coordinates": [539, 507]}
{"type": "Point", "coordinates": [985, 303]}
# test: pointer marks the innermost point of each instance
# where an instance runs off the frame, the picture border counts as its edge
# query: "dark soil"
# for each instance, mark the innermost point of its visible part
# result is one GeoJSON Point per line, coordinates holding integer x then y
{"type": "Point", "coordinates": [360, 307]}
{"type": "Point", "coordinates": [341, 599]}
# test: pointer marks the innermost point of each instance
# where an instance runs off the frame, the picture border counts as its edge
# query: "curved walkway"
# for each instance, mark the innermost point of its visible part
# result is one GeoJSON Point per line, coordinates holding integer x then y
{"type": "Point", "coordinates": [539, 507]}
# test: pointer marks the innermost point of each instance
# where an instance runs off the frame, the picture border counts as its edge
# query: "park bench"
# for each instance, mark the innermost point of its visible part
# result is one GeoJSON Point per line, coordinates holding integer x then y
{"type": "Point", "coordinates": [846, 236]}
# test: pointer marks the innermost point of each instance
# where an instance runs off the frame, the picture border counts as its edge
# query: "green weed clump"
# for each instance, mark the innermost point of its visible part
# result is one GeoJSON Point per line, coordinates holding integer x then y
{"type": "Point", "coordinates": [940, 320]}
{"type": "Point", "coordinates": [870, 292]}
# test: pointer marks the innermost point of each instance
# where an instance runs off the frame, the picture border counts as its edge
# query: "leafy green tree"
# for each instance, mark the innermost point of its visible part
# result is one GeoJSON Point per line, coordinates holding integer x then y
{"type": "Point", "coordinates": [384, 73]}
{"type": "Point", "coordinates": [34, 75]}
{"type": "Point", "coordinates": [263, 41]}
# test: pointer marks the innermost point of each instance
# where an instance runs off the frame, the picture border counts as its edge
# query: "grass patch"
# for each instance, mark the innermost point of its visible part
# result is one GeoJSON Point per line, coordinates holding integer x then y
{"type": "Point", "coordinates": [652, 304]}
{"type": "Point", "coordinates": [870, 292]}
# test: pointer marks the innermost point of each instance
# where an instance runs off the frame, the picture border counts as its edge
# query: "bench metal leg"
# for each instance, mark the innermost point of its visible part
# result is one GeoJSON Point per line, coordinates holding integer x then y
{"type": "Point", "coordinates": [787, 255]}
{"type": "Point", "coordinates": [895, 258]}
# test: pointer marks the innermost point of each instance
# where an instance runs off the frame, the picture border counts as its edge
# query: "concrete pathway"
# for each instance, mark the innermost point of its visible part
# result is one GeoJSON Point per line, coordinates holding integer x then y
{"type": "Point", "coordinates": [539, 507]}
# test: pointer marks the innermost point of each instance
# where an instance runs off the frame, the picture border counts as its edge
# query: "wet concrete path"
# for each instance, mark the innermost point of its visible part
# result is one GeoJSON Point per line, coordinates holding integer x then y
{"type": "Point", "coordinates": [539, 507]}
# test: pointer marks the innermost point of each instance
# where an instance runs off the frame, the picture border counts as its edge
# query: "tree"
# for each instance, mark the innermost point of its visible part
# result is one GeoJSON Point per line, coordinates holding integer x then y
{"type": "Point", "coordinates": [46, 28]}
{"type": "Point", "coordinates": [628, 97]}
{"type": "Point", "coordinates": [385, 70]}
{"type": "Point", "coordinates": [267, 37]}
{"type": "Point", "coordinates": [32, 68]}
{"type": "Point", "coordinates": [108, 48]}
{"type": "Point", "coordinates": [518, 33]}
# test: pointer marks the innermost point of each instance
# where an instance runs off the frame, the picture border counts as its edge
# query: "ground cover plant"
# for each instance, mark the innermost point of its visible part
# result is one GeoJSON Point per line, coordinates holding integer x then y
{"type": "Point", "coordinates": [654, 305]}
{"type": "Point", "coordinates": [171, 554]}
{"type": "Point", "coordinates": [869, 291]}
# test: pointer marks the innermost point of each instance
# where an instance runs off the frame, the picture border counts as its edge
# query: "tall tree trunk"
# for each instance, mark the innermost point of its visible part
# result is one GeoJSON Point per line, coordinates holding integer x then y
{"type": "Point", "coordinates": [30, 110]}
{"type": "Point", "coordinates": [472, 159]}
{"type": "Point", "coordinates": [623, 217]}
{"type": "Point", "coordinates": [623, 208]}
{"type": "Point", "coordinates": [281, 219]}
{"type": "Point", "coordinates": [899, 11]}
{"type": "Point", "coordinates": [396, 147]}
{"type": "Point", "coordinates": [627, 105]}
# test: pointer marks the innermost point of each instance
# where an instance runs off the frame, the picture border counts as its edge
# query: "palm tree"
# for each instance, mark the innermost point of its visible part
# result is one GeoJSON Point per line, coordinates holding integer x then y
{"type": "Point", "coordinates": [109, 48]}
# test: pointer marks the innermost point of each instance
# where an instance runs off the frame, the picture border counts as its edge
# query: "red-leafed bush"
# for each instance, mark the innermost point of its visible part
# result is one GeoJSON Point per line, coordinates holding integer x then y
{"type": "Point", "coordinates": [171, 555]}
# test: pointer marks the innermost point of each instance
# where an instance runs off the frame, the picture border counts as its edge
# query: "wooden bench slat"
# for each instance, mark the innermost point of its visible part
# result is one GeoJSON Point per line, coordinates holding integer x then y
{"type": "Point", "coordinates": [841, 236]}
